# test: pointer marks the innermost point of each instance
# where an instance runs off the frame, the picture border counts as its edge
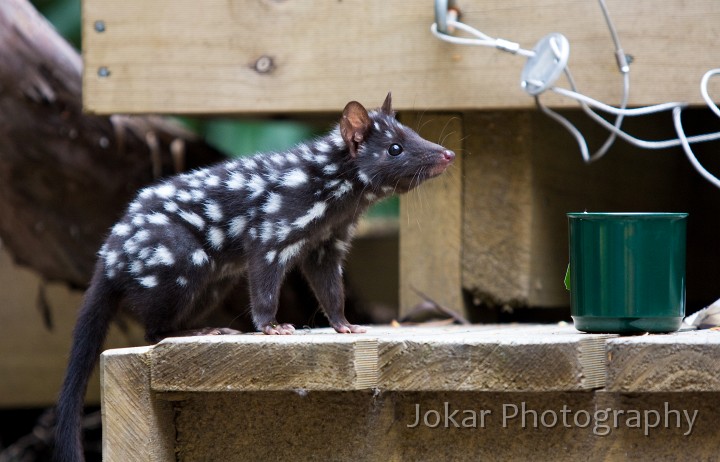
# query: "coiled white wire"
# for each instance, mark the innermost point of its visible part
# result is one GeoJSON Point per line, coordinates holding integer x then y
{"type": "Point", "coordinates": [587, 104]}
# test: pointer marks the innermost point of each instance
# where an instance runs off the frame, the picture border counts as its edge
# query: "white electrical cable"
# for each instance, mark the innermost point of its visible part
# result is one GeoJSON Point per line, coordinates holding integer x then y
{"type": "Point", "coordinates": [689, 152]}
{"type": "Point", "coordinates": [480, 40]}
{"type": "Point", "coordinates": [704, 90]}
{"type": "Point", "coordinates": [587, 103]}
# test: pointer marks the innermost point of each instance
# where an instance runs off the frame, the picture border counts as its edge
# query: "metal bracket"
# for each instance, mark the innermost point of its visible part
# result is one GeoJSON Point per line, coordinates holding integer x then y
{"type": "Point", "coordinates": [444, 10]}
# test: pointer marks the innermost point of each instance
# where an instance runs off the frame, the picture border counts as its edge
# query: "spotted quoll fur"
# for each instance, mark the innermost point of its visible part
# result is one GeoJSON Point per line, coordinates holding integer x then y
{"type": "Point", "coordinates": [182, 242]}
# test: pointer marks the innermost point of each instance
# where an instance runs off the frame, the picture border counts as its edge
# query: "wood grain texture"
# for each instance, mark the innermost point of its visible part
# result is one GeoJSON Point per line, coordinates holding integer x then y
{"type": "Point", "coordinates": [431, 223]}
{"type": "Point", "coordinates": [497, 230]}
{"type": "Point", "coordinates": [182, 56]}
{"type": "Point", "coordinates": [136, 425]}
{"type": "Point", "coordinates": [680, 362]}
{"type": "Point", "coordinates": [460, 358]}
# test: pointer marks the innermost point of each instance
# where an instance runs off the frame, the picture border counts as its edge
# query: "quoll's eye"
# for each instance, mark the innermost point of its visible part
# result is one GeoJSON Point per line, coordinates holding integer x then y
{"type": "Point", "coordinates": [395, 150]}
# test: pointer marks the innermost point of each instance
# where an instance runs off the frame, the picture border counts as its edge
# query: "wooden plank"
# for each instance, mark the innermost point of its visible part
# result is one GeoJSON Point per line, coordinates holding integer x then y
{"type": "Point", "coordinates": [136, 425]}
{"type": "Point", "coordinates": [517, 358]}
{"type": "Point", "coordinates": [680, 362]}
{"type": "Point", "coordinates": [497, 226]}
{"type": "Point", "coordinates": [181, 56]}
{"type": "Point", "coordinates": [460, 358]}
{"type": "Point", "coordinates": [258, 362]}
{"type": "Point", "coordinates": [431, 223]}
{"type": "Point", "coordinates": [34, 357]}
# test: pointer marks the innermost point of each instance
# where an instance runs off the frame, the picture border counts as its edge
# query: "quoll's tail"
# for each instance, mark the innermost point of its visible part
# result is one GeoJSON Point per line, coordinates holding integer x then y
{"type": "Point", "coordinates": [99, 306]}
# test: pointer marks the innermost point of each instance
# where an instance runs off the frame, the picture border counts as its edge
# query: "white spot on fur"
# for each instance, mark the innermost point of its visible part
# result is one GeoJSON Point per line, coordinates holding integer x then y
{"type": "Point", "coordinates": [213, 211]}
{"type": "Point", "coordinates": [212, 181]}
{"type": "Point", "coordinates": [341, 245]}
{"type": "Point", "coordinates": [135, 207]}
{"type": "Point", "coordinates": [236, 181]}
{"type": "Point", "coordinates": [270, 256]}
{"type": "Point", "coordinates": [337, 138]}
{"type": "Point", "coordinates": [331, 184]}
{"type": "Point", "coordinates": [253, 233]}
{"type": "Point", "coordinates": [237, 226]}
{"type": "Point", "coordinates": [194, 182]}
{"type": "Point", "coordinates": [273, 204]}
{"type": "Point", "coordinates": [377, 126]}
{"type": "Point", "coordinates": [322, 146]}
{"type": "Point", "coordinates": [266, 232]}
{"type": "Point", "coordinates": [320, 159]}
{"type": "Point", "coordinates": [249, 164]}
{"type": "Point", "coordinates": [278, 159]}
{"type": "Point", "coordinates": [290, 251]}
{"type": "Point", "coordinates": [315, 212]}
{"type": "Point", "coordinates": [161, 256]}
{"type": "Point", "coordinates": [216, 237]}
{"type": "Point", "coordinates": [181, 281]}
{"type": "Point", "coordinates": [121, 229]}
{"type": "Point", "coordinates": [138, 220]}
{"type": "Point", "coordinates": [343, 189]}
{"type": "Point", "coordinates": [197, 194]}
{"type": "Point", "coordinates": [158, 218]}
{"type": "Point", "coordinates": [165, 191]}
{"type": "Point", "coordinates": [199, 257]}
{"type": "Point", "coordinates": [330, 169]}
{"type": "Point", "coordinates": [111, 257]}
{"type": "Point", "coordinates": [184, 196]}
{"type": "Point", "coordinates": [388, 134]}
{"type": "Point", "coordinates": [170, 206]}
{"type": "Point", "coordinates": [292, 158]}
{"type": "Point", "coordinates": [256, 186]}
{"type": "Point", "coordinates": [362, 176]}
{"type": "Point", "coordinates": [148, 281]}
{"type": "Point", "coordinates": [193, 218]}
{"type": "Point", "coordinates": [371, 196]}
{"type": "Point", "coordinates": [146, 193]}
{"type": "Point", "coordinates": [136, 267]}
{"type": "Point", "coordinates": [144, 253]}
{"type": "Point", "coordinates": [294, 178]}
{"type": "Point", "coordinates": [282, 230]}
{"type": "Point", "coordinates": [387, 189]}
{"type": "Point", "coordinates": [140, 236]}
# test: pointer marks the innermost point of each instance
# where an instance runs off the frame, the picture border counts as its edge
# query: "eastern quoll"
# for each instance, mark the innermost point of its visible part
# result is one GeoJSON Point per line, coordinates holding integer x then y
{"type": "Point", "coordinates": [181, 243]}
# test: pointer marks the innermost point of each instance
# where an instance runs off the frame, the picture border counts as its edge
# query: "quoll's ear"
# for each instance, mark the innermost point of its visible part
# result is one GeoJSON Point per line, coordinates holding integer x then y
{"type": "Point", "coordinates": [354, 125]}
{"type": "Point", "coordinates": [387, 105]}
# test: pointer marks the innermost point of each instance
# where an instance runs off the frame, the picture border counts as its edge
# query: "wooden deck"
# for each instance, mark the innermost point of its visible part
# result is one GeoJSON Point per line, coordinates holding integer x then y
{"type": "Point", "coordinates": [202, 397]}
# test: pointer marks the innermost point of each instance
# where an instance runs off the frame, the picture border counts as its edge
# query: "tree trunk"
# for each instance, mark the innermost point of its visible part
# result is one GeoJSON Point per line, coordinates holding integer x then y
{"type": "Point", "coordinates": [66, 176]}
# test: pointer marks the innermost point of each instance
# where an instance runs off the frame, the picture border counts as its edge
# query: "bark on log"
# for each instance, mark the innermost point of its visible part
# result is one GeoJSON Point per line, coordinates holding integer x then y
{"type": "Point", "coordinates": [66, 176]}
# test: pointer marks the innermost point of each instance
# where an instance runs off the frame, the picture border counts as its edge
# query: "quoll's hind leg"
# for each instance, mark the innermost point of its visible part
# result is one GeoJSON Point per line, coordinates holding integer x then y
{"type": "Point", "coordinates": [323, 270]}
{"type": "Point", "coordinates": [264, 280]}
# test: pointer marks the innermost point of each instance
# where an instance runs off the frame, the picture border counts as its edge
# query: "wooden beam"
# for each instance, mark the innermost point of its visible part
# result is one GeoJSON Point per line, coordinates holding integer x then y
{"type": "Point", "coordinates": [431, 223]}
{"type": "Point", "coordinates": [497, 228]}
{"type": "Point", "coordinates": [680, 362]}
{"type": "Point", "coordinates": [136, 425]}
{"type": "Point", "coordinates": [183, 56]}
{"type": "Point", "coordinates": [453, 358]}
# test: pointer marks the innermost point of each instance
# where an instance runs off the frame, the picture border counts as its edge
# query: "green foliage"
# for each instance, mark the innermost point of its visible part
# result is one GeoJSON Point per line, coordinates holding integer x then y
{"type": "Point", "coordinates": [64, 15]}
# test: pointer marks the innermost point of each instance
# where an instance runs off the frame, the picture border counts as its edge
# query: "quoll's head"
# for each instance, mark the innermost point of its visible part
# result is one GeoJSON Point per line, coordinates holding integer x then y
{"type": "Point", "coordinates": [388, 153]}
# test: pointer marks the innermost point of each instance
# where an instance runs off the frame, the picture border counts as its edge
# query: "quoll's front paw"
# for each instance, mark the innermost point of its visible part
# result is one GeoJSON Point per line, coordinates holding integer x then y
{"type": "Point", "coordinates": [278, 329]}
{"type": "Point", "coordinates": [347, 328]}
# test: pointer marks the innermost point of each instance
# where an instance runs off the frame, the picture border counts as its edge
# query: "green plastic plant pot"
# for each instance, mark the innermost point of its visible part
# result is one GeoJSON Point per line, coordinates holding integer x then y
{"type": "Point", "coordinates": [627, 271]}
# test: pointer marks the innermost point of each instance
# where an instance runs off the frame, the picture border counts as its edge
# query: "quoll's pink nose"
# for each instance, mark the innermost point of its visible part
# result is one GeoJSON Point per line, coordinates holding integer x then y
{"type": "Point", "coordinates": [448, 155]}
